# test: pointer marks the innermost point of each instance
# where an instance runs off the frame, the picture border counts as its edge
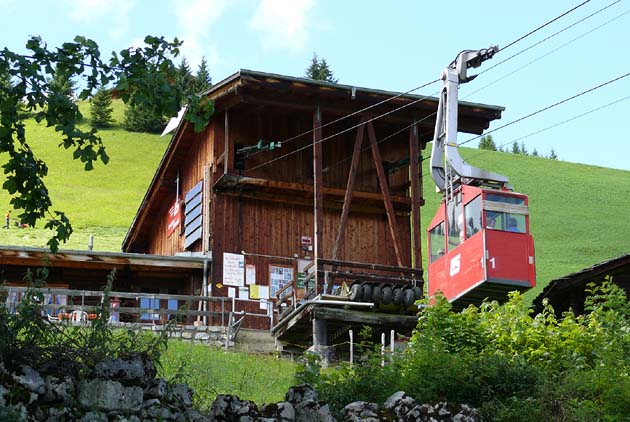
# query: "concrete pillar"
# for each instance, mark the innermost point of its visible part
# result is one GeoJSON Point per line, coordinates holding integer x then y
{"type": "Point", "coordinates": [320, 339]}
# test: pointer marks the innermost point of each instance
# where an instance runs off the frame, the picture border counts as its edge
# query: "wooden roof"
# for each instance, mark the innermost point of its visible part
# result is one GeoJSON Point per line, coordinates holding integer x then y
{"type": "Point", "coordinates": [570, 291]}
{"type": "Point", "coordinates": [35, 257]}
{"type": "Point", "coordinates": [248, 88]}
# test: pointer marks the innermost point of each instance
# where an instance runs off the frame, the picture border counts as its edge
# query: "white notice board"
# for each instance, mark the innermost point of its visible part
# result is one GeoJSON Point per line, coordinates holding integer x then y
{"type": "Point", "coordinates": [233, 269]}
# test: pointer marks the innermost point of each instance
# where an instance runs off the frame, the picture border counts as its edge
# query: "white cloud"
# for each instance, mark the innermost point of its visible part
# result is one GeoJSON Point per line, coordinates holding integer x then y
{"type": "Point", "coordinates": [88, 11]}
{"type": "Point", "coordinates": [195, 19]}
{"type": "Point", "coordinates": [282, 23]}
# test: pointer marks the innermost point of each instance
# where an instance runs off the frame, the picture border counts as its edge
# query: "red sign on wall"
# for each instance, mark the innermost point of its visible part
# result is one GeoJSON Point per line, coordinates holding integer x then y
{"type": "Point", "coordinates": [173, 217]}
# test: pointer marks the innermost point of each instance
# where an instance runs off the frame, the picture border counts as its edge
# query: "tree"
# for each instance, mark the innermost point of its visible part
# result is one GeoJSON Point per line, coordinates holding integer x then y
{"type": "Point", "coordinates": [486, 142]}
{"type": "Point", "coordinates": [144, 118]}
{"type": "Point", "coordinates": [101, 108]}
{"type": "Point", "coordinates": [523, 149]}
{"type": "Point", "coordinates": [552, 154]}
{"type": "Point", "coordinates": [143, 75]}
{"type": "Point", "coordinates": [515, 148]}
{"type": "Point", "coordinates": [185, 78]}
{"type": "Point", "coordinates": [535, 152]}
{"type": "Point", "coordinates": [203, 81]}
{"type": "Point", "coordinates": [62, 83]}
{"type": "Point", "coordinates": [320, 71]}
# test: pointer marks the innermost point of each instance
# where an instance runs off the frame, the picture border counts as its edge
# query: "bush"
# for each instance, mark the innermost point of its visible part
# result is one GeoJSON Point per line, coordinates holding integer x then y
{"type": "Point", "coordinates": [509, 364]}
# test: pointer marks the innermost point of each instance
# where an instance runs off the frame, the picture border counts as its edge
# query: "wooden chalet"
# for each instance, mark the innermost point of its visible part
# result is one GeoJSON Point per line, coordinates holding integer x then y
{"type": "Point", "coordinates": [296, 180]}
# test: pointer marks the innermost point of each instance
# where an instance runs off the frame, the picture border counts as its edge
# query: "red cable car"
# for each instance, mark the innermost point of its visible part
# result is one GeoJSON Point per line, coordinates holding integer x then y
{"type": "Point", "coordinates": [480, 246]}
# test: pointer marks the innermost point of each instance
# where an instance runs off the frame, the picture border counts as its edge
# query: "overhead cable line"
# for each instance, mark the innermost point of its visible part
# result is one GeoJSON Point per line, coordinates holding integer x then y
{"type": "Point", "coordinates": [354, 113]}
{"type": "Point", "coordinates": [420, 99]}
{"type": "Point", "coordinates": [547, 107]}
{"type": "Point", "coordinates": [295, 151]}
{"type": "Point", "coordinates": [552, 36]}
{"type": "Point", "coordinates": [521, 38]}
{"type": "Point", "coordinates": [578, 116]}
{"type": "Point", "coordinates": [567, 120]}
{"type": "Point", "coordinates": [548, 53]}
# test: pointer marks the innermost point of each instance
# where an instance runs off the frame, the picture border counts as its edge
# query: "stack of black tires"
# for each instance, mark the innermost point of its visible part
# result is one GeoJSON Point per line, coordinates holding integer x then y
{"type": "Point", "coordinates": [385, 294]}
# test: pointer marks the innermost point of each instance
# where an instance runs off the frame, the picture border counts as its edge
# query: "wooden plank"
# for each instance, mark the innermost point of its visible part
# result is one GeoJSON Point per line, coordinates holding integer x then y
{"type": "Point", "coordinates": [191, 205]}
{"type": "Point", "coordinates": [226, 149]}
{"type": "Point", "coordinates": [362, 317]}
{"type": "Point", "coordinates": [356, 153]}
{"type": "Point", "coordinates": [194, 213]}
{"type": "Point", "coordinates": [375, 267]}
{"type": "Point", "coordinates": [391, 216]}
{"type": "Point", "coordinates": [369, 277]}
{"type": "Point", "coordinates": [318, 197]}
{"type": "Point", "coordinates": [229, 183]}
{"type": "Point", "coordinates": [416, 194]}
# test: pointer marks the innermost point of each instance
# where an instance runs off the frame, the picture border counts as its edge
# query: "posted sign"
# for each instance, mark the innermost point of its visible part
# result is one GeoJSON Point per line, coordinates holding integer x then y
{"type": "Point", "coordinates": [233, 269]}
{"type": "Point", "coordinates": [173, 217]}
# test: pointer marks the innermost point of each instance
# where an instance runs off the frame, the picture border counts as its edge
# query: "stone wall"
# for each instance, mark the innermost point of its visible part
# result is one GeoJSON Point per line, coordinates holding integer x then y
{"type": "Point", "coordinates": [208, 335]}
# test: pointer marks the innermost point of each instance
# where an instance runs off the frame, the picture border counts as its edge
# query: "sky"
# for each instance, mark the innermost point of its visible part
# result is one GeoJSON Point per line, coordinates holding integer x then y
{"type": "Point", "coordinates": [396, 46]}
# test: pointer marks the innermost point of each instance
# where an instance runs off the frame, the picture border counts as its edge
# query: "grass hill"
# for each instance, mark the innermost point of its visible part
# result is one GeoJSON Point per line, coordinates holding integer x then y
{"type": "Point", "coordinates": [101, 202]}
{"type": "Point", "coordinates": [577, 211]}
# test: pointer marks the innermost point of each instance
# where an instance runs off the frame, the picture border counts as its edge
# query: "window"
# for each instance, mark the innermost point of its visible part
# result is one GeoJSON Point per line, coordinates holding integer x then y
{"type": "Point", "coordinates": [436, 241]}
{"type": "Point", "coordinates": [505, 221]}
{"type": "Point", "coordinates": [472, 212]}
{"type": "Point", "coordinates": [455, 226]}
{"type": "Point", "coordinates": [505, 199]}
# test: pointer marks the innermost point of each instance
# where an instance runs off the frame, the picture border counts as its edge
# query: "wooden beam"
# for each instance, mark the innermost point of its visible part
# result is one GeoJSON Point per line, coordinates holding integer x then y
{"type": "Point", "coordinates": [382, 178]}
{"type": "Point", "coordinates": [376, 278]}
{"type": "Point", "coordinates": [368, 266]}
{"type": "Point", "coordinates": [362, 317]}
{"type": "Point", "coordinates": [228, 158]}
{"type": "Point", "coordinates": [356, 154]}
{"type": "Point", "coordinates": [318, 197]}
{"type": "Point", "coordinates": [240, 184]}
{"type": "Point", "coordinates": [416, 195]}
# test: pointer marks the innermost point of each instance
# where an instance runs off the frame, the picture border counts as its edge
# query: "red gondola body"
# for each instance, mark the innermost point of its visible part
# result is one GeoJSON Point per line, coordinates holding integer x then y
{"type": "Point", "coordinates": [480, 246]}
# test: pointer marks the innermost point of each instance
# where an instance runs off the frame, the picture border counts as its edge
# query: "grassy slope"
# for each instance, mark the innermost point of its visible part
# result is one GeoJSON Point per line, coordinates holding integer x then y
{"type": "Point", "coordinates": [576, 210]}
{"type": "Point", "coordinates": [102, 202]}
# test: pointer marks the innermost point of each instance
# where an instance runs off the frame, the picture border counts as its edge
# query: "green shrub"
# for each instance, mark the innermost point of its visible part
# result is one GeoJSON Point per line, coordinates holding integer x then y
{"type": "Point", "coordinates": [509, 364]}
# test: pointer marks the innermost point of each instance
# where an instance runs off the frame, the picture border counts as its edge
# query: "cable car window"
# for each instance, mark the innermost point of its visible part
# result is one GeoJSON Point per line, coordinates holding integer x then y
{"type": "Point", "coordinates": [455, 224]}
{"type": "Point", "coordinates": [505, 199]}
{"type": "Point", "coordinates": [505, 221]}
{"type": "Point", "coordinates": [436, 240]}
{"type": "Point", "coordinates": [472, 213]}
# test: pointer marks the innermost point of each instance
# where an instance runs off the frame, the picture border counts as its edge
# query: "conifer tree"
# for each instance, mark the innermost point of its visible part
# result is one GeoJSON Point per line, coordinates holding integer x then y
{"type": "Point", "coordinates": [515, 148]}
{"type": "Point", "coordinates": [185, 78]}
{"type": "Point", "coordinates": [552, 154]}
{"type": "Point", "coordinates": [320, 71]}
{"type": "Point", "coordinates": [535, 152]}
{"type": "Point", "coordinates": [101, 109]}
{"type": "Point", "coordinates": [486, 142]}
{"type": "Point", "coordinates": [203, 81]}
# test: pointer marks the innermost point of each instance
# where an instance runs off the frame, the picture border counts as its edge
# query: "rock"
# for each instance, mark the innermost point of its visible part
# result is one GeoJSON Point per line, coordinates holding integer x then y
{"type": "Point", "coordinates": [181, 394]}
{"type": "Point", "coordinates": [30, 380]}
{"type": "Point", "coordinates": [231, 408]}
{"type": "Point", "coordinates": [3, 392]}
{"type": "Point", "coordinates": [301, 393]}
{"type": "Point", "coordinates": [157, 388]}
{"type": "Point", "coordinates": [361, 411]}
{"type": "Point", "coordinates": [134, 371]}
{"type": "Point", "coordinates": [399, 404]}
{"type": "Point", "coordinates": [59, 390]}
{"type": "Point", "coordinates": [109, 396]}
{"type": "Point", "coordinates": [93, 416]}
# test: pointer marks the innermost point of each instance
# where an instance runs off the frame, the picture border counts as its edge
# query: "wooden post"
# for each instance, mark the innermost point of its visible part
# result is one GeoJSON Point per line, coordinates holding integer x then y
{"type": "Point", "coordinates": [318, 200]}
{"type": "Point", "coordinates": [387, 199]}
{"type": "Point", "coordinates": [414, 174]}
{"type": "Point", "coordinates": [228, 159]}
{"type": "Point", "coordinates": [356, 153]}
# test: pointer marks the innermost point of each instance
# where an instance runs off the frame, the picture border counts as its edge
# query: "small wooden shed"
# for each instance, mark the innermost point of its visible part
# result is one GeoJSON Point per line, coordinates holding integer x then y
{"type": "Point", "coordinates": [293, 177]}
